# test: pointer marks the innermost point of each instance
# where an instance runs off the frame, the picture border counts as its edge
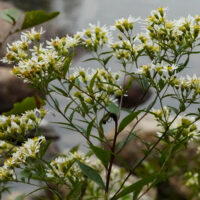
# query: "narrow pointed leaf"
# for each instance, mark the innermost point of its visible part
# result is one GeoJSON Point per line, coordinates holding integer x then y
{"type": "Point", "coordinates": [113, 108]}
{"type": "Point", "coordinates": [135, 187]}
{"type": "Point", "coordinates": [90, 126]}
{"type": "Point", "coordinates": [126, 140]}
{"type": "Point", "coordinates": [102, 154]}
{"type": "Point", "coordinates": [91, 174]}
{"type": "Point", "coordinates": [127, 120]}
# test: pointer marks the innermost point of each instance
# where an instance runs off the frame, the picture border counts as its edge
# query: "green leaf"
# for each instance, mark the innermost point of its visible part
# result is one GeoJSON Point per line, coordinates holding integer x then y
{"type": "Point", "coordinates": [28, 103]}
{"type": "Point", "coordinates": [72, 114]}
{"type": "Point", "coordinates": [130, 81]}
{"type": "Point", "coordinates": [67, 64]}
{"type": "Point", "coordinates": [56, 103]}
{"type": "Point", "coordinates": [144, 82]}
{"type": "Point", "coordinates": [151, 105]}
{"type": "Point", "coordinates": [105, 61]}
{"type": "Point", "coordinates": [20, 197]}
{"type": "Point", "coordinates": [91, 174]}
{"type": "Point", "coordinates": [176, 111]}
{"type": "Point", "coordinates": [77, 82]}
{"type": "Point", "coordinates": [84, 106]}
{"type": "Point", "coordinates": [126, 140]}
{"type": "Point", "coordinates": [74, 148]}
{"type": "Point", "coordinates": [75, 192]}
{"type": "Point", "coordinates": [67, 107]}
{"type": "Point", "coordinates": [36, 17]}
{"type": "Point", "coordinates": [183, 65]}
{"type": "Point", "coordinates": [113, 108]}
{"type": "Point", "coordinates": [182, 106]}
{"type": "Point", "coordinates": [61, 91]}
{"type": "Point", "coordinates": [161, 83]}
{"type": "Point", "coordinates": [102, 154]}
{"type": "Point", "coordinates": [10, 15]}
{"type": "Point", "coordinates": [127, 120]}
{"type": "Point", "coordinates": [106, 52]}
{"type": "Point", "coordinates": [90, 126]}
{"type": "Point", "coordinates": [26, 173]}
{"type": "Point", "coordinates": [92, 82]}
{"type": "Point", "coordinates": [135, 187]}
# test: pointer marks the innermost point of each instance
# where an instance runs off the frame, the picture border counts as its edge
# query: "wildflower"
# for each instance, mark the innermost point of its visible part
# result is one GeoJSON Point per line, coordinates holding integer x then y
{"type": "Point", "coordinates": [187, 127]}
{"type": "Point", "coordinates": [95, 36]}
{"type": "Point", "coordinates": [63, 44]}
{"type": "Point", "coordinates": [33, 34]}
{"type": "Point", "coordinates": [15, 125]}
{"type": "Point", "coordinates": [28, 150]}
{"type": "Point", "coordinates": [145, 70]}
{"type": "Point", "coordinates": [104, 84]}
{"type": "Point", "coordinates": [186, 84]}
{"type": "Point", "coordinates": [159, 68]}
{"type": "Point", "coordinates": [5, 147]}
{"type": "Point", "coordinates": [172, 67]}
{"type": "Point", "coordinates": [66, 167]}
{"type": "Point", "coordinates": [17, 51]}
{"type": "Point", "coordinates": [39, 65]}
{"type": "Point", "coordinates": [6, 173]}
{"type": "Point", "coordinates": [162, 113]}
{"type": "Point", "coordinates": [125, 23]}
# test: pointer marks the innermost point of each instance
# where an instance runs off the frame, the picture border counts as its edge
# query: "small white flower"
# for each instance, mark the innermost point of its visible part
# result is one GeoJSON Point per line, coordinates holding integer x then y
{"type": "Point", "coordinates": [124, 21]}
{"type": "Point", "coordinates": [33, 34]}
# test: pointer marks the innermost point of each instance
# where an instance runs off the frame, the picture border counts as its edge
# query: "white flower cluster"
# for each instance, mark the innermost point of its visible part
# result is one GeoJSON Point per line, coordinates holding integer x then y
{"type": "Point", "coordinates": [39, 65]}
{"type": "Point", "coordinates": [186, 83]}
{"type": "Point", "coordinates": [15, 126]}
{"type": "Point", "coordinates": [162, 69]}
{"type": "Point", "coordinates": [6, 173]}
{"type": "Point", "coordinates": [36, 64]}
{"type": "Point", "coordinates": [28, 150]}
{"type": "Point", "coordinates": [124, 49]}
{"type": "Point", "coordinates": [163, 114]}
{"type": "Point", "coordinates": [103, 87]}
{"type": "Point", "coordinates": [19, 50]}
{"type": "Point", "coordinates": [125, 24]}
{"type": "Point", "coordinates": [5, 147]}
{"type": "Point", "coordinates": [33, 35]}
{"type": "Point", "coordinates": [183, 128]}
{"type": "Point", "coordinates": [95, 36]}
{"type": "Point", "coordinates": [66, 167]}
{"type": "Point", "coordinates": [63, 44]}
{"type": "Point", "coordinates": [147, 44]}
{"type": "Point", "coordinates": [188, 127]}
{"type": "Point", "coordinates": [172, 33]}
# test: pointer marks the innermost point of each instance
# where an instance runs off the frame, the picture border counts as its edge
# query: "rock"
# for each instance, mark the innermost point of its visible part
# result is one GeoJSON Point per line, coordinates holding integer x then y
{"type": "Point", "coordinates": [136, 95]}
{"type": "Point", "coordinates": [12, 90]}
